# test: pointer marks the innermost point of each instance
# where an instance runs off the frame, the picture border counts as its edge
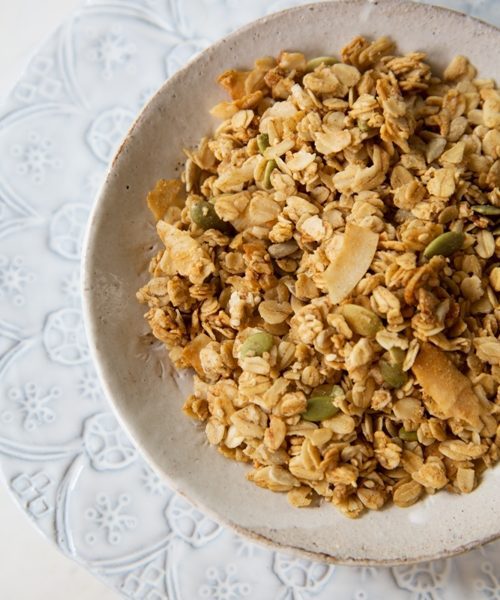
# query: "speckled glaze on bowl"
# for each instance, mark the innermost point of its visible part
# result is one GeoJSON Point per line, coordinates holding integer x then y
{"type": "Point", "coordinates": [144, 389]}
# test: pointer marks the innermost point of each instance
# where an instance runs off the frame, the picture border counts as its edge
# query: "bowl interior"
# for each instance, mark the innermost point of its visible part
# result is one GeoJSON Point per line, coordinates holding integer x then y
{"type": "Point", "coordinates": [141, 384]}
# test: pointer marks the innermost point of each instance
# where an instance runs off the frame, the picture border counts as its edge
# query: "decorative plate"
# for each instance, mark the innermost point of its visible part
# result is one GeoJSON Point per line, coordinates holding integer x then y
{"type": "Point", "coordinates": [63, 455]}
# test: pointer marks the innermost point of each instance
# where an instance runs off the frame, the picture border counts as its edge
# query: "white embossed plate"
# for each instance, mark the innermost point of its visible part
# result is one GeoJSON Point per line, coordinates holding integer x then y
{"type": "Point", "coordinates": [62, 454]}
{"type": "Point", "coordinates": [148, 395]}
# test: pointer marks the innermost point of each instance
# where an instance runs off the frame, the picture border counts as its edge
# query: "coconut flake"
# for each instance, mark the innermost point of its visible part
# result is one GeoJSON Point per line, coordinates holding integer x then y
{"type": "Point", "coordinates": [450, 392]}
{"type": "Point", "coordinates": [351, 262]}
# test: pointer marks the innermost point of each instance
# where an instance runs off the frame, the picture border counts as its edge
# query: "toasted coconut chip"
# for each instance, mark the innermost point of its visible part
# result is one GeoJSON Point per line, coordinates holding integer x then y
{"type": "Point", "coordinates": [450, 391]}
{"type": "Point", "coordinates": [351, 262]}
{"type": "Point", "coordinates": [166, 193]}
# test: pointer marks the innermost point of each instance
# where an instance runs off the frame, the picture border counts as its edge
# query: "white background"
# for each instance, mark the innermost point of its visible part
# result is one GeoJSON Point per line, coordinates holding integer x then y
{"type": "Point", "coordinates": [31, 567]}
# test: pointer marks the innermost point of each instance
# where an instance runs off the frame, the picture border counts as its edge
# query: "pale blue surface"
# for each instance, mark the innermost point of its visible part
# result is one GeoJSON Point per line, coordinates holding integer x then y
{"type": "Point", "coordinates": [62, 453]}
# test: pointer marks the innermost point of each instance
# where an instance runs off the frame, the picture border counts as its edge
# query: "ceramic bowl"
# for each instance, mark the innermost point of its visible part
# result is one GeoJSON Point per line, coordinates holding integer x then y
{"type": "Point", "coordinates": [144, 389]}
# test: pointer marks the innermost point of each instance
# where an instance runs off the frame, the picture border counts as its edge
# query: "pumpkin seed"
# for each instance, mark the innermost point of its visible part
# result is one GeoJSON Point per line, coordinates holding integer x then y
{"type": "Point", "coordinates": [445, 244]}
{"type": "Point", "coordinates": [361, 320]}
{"type": "Point", "coordinates": [487, 210]}
{"type": "Point", "coordinates": [283, 249]}
{"type": "Point", "coordinates": [496, 231]}
{"type": "Point", "coordinates": [362, 125]}
{"type": "Point", "coordinates": [270, 166]}
{"type": "Point", "coordinates": [327, 389]}
{"type": "Point", "coordinates": [256, 344]}
{"type": "Point", "coordinates": [320, 408]}
{"type": "Point", "coordinates": [397, 356]}
{"type": "Point", "coordinates": [262, 142]}
{"type": "Point", "coordinates": [320, 60]}
{"type": "Point", "coordinates": [392, 374]}
{"type": "Point", "coordinates": [204, 215]}
{"type": "Point", "coordinates": [407, 436]}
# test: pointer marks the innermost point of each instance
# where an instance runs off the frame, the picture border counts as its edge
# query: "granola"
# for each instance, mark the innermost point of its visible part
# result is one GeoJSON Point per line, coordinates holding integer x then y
{"type": "Point", "coordinates": [330, 271]}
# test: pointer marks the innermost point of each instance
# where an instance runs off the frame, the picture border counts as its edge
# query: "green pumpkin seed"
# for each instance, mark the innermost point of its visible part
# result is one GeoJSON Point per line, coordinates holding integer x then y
{"type": "Point", "coordinates": [445, 244]}
{"type": "Point", "coordinates": [392, 374]}
{"type": "Point", "coordinates": [361, 320]}
{"type": "Point", "coordinates": [204, 215]}
{"type": "Point", "coordinates": [256, 344]}
{"type": "Point", "coordinates": [320, 60]}
{"type": "Point", "coordinates": [487, 210]}
{"type": "Point", "coordinates": [327, 389]}
{"type": "Point", "coordinates": [407, 436]}
{"type": "Point", "coordinates": [262, 142]}
{"type": "Point", "coordinates": [270, 166]}
{"type": "Point", "coordinates": [397, 356]}
{"type": "Point", "coordinates": [363, 125]}
{"type": "Point", "coordinates": [320, 408]}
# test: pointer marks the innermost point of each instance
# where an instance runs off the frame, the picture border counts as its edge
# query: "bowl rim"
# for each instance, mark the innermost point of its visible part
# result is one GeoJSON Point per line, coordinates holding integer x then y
{"type": "Point", "coordinates": [91, 320]}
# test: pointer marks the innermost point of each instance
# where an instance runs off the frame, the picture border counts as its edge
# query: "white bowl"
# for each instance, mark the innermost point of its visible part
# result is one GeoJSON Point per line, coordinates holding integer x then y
{"type": "Point", "coordinates": [144, 389]}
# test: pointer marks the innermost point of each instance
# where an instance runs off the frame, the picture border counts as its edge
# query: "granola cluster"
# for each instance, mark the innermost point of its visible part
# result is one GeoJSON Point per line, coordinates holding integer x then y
{"type": "Point", "coordinates": [330, 270]}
